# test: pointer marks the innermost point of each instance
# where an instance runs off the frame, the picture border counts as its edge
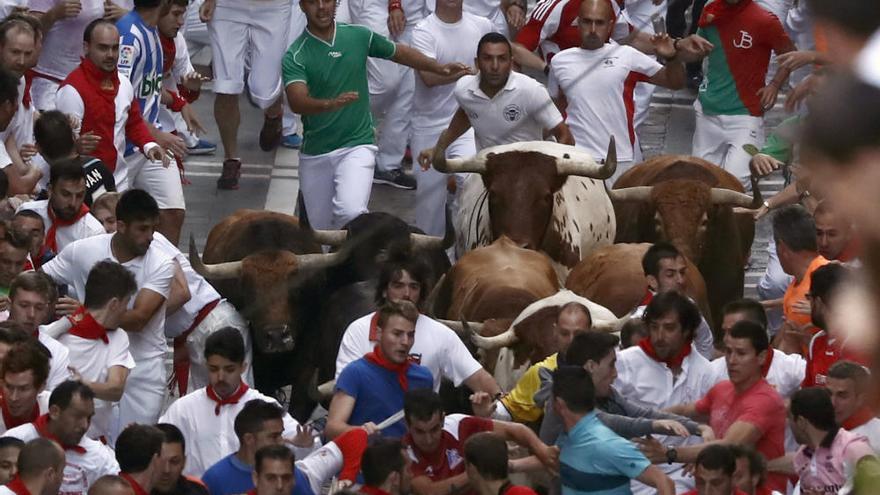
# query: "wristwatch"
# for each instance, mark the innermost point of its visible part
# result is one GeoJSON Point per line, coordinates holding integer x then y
{"type": "Point", "coordinates": [767, 205]}
{"type": "Point", "coordinates": [671, 454]}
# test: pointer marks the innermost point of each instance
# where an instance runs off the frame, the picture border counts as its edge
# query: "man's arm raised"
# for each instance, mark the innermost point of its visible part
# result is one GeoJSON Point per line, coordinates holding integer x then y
{"type": "Point", "coordinates": [433, 73]}
{"type": "Point", "coordinates": [302, 103]}
{"type": "Point", "coordinates": [458, 126]}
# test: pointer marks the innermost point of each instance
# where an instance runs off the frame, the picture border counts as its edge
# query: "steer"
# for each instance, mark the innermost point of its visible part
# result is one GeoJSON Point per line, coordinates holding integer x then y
{"type": "Point", "coordinates": [689, 202]}
{"type": "Point", "coordinates": [542, 195]}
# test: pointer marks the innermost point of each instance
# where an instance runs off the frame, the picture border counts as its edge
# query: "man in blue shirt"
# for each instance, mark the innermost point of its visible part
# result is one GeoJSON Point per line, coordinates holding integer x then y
{"type": "Point", "coordinates": [370, 389]}
{"type": "Point", "coordinates": [593, 459]}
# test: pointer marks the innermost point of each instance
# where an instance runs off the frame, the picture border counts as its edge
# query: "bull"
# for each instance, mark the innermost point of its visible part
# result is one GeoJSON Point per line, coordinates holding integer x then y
{"type": "Point", "coordinates": [689, 202]}
{"type": "Point", "coordinates": [542, 195]}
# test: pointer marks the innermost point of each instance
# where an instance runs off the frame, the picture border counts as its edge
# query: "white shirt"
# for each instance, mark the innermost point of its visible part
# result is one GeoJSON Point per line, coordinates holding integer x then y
{"type": "Point", "coordinates": [42, 404]}
{"type": "Point", "coordinates": [871, 431]}
{"type": "Point", "coordinates": [180, 68]}
{"type": "Point", "coordinates": [201, 292]}
{"type": "Point", "coordinates": [786, 372]}
{"type": "Point", "coordinates": [154, 271]}
{"type": "Point", "coordinates": [650, 383]}
{"type": "Point", "coordinates": [80, 470]}
{"type": "Point", "coordinates": [92, 358]}
{"type": "Point", "coordinates": [521, 111]}
{"type": "Point", "coordinates": [59, 362]}
{"type": "Point", "coordinates": [60, 55]}
{"type": "Point", "coordinates": [211, 437]}
{"type": "Point", "coordinates": [704, 341]}
{"type": "Point", "coordinates": [436, 347]}
{"type": "Point", "coordinates": [457, 42]}
{"type": "Point", "coordinates": [21, 126]}
{"type": "Point", "coordinates": [87, 226]}
{"type": "Point", "coordinates": [598, 85]}
{"type": "Point", "coordinates": [7, 6]}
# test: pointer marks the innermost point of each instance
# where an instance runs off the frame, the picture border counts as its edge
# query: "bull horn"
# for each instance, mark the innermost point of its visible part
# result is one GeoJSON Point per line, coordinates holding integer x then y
{"type": "Point", "coordinates": [318, 261]}
{"type": "Point", "coordinates": [330, 237]}
{"type": "Point", "coordinates": [325, 389]}
{"type": "Point", "coordinates": [506, 339]}
{"type": "Point", "coordinates": [719, 196]}
{"type": "Point", "coordinates": [611, 326]}
{"type": "Point", "coordinates": [425, 242]}
{"type": "Point", "coordinates": [637, 194]}
{"type": "Point", "coordinates": [217, 271]}
{"type": "Point", "coordinates": [475, 164]}
{"type": "Point", "coordinates": [463, 328]}
{"type": "Point", "coordinates": [322, 392]}
{"type": "Point", "coordinates": [582, 164]}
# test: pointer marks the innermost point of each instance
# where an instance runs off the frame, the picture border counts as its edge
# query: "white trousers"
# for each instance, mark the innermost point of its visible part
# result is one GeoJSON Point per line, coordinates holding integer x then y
{"type": "Point", "coordinates": [163, 183]}
{"type": "Point", "coordinates": [720, 139]}
{"type": "Point", "coordinates": [144, 394]}
{"type": "Point", "coordinates": [391, 94]}
{"type": "Point", "coordinates": [223, 315]}
{"type": "Point", "coordinates": [336, 186]}
{"type": "Point", "coordinates": [291, 121]}
{"type": "Point", "coordinates": [772, 285]}
{"type": "Point", "coordinates": [431, 195]}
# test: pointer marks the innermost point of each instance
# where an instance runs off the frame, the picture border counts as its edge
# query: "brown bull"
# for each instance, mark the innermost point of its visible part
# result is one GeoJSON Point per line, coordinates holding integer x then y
{"type": "Point", "coordinates": [688, 202]}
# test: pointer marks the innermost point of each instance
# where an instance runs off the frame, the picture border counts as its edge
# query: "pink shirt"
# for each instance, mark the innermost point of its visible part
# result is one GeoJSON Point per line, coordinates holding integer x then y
{"type": "Point", "coordinates": [827, 470]}
{"type": "Point", "coordinates": [760, 406]}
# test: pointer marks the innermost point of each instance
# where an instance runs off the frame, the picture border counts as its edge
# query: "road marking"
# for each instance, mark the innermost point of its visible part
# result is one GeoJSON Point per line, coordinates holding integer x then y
{"type": "Point", "coordinates": [284, 183]}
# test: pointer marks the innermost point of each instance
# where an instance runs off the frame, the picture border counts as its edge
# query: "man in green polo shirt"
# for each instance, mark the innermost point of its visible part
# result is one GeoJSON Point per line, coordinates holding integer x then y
{"type": "Point", "coordinates": [325, 76]}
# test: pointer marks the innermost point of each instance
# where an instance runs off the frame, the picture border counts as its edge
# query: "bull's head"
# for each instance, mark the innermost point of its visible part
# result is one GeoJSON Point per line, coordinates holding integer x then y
{"type": "Point", "coordinates": [270, 281]}
{"type": "Point", "coordinates": [683, 209]}
{"type": "Point", "coordinates": [521, 180]}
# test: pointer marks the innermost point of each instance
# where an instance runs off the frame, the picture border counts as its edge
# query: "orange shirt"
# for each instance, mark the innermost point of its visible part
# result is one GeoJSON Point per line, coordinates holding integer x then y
{"type": "Point", "coordinates": [797, 291]}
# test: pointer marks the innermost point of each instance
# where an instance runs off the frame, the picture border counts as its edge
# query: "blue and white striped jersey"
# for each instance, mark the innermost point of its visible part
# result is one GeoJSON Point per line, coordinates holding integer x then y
{"type": "Point", "coordinates": [140, 60]}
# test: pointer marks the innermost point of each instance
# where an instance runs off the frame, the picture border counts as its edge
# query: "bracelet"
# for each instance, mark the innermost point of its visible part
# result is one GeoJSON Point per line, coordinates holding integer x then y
{"type": "Point", "coordinates": [675, 43]}
{"type": "Point", "coordinates": [394, 5]}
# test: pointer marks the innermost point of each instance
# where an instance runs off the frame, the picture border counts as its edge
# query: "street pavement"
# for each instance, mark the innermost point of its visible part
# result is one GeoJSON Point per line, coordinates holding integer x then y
{"type": "Point", "coordinates": [270, 180]}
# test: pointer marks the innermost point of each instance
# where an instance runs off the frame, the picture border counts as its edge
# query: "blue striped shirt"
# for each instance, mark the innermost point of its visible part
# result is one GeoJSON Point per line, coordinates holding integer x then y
{"type": "Point", "coordinates": [140, 60]}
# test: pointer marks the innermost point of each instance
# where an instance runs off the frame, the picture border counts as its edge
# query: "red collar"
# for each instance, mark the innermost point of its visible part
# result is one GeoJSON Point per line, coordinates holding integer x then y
{"type": "Point", "coordinates": [85, 326]}
{"type": "Point", "coordinates": [232, 399]}
{"type": "Point", "coordinates": [720, 11]}
{"type": "Point", "coordinates": [372, 490]}
{"type": "Point", "coordinates": [649, 296]}
{"type": "Point", "coordinates": [11, 421]}
{"type": "Point", "coordinates": [765, 366]}
{"type": "Point", "coordinates": [50, 241]}
{"type": "Point", "coordinates": [17, 487]}
{"type": "Point", "coordinates": [42, 426]}
{"type": "Point", "coordinates": [858, 418]}
{"type": "Point", "coordinates": [672, 363]}
{"type": "Point", "coordinates": [376, 357]}
{"type": "Point", "coordinates": [374, 327]}
{"type": "Point", "coordinates": [138, 489]}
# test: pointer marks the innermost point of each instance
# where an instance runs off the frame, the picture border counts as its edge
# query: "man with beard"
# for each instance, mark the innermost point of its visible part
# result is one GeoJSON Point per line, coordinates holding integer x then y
{"type": "Point", "coordinates": [24, 372]}
{"type": "Point", "coordinates": [206, 416]}
{"type": "Point", "coordinates": [158, 289]}
{"type": "Point", "coordinates": [171, 480]}
{"type": "Point", "coordinates": [71, 405]}
{"type": "Point", "coordinates": [65, 216]}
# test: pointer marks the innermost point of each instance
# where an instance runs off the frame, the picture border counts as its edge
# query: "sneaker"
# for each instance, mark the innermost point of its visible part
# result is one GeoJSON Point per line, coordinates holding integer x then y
{"type": "Point", "coordinates": [202, 148]}
{"type": "Point", "coordinates": [394, 178]}
{"type": "Point", "coordinates": [270, 134]}
{"type": "Point", "coordinates": [292, 141]}
{"type": "Point", "coordinates": [229, 177]}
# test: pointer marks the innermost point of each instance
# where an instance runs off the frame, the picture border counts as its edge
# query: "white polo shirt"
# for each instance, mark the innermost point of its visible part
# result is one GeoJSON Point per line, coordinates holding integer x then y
{"type": "Point", "coordinates": [87, 226]}
{"type": "Point", "coordinates": [92, 358]}
{"type": "Point", "coordinates": [154, 271]}
{"type": "Point", "coordinates": [651, 384]}
{"type": "Point", "coordinates": [457, 42]}
{"type": "Point", "coordinates": [81, 470]}
{"type": "Point", "coordinates": [598, 85]}
{"type": "Point", "coordinates": [59, 361]}
{"type": "Point", "coordinates": [436, 347]}
{"type": "Point", "coordinates": [201, 292]}
{"type": "Point", "coordinates": [210, 436]}
{"type": "Point", "coordinates": [521, 111]}
{"type": "Point", "coordinates": [42, 406]}
{"type": "Point", "coordinates": [871, 431]}
{"type": "Point", "coordinates": [786, 372]}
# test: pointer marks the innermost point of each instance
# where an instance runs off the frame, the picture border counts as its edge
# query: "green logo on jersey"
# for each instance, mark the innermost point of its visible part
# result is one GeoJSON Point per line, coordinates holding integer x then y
{"type": "Point", "coordinates": [151, 86]}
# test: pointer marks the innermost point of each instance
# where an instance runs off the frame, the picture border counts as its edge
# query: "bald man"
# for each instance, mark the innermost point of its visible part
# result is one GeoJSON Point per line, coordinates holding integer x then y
{"type": "Point", "coordinates": [111, 485]}
{"type": "Point", "coordinates": [519, 404]}
{"type": "Point", "coordinates": [40, 469]}
{"type": "Point", "coordinates": [835, 236]}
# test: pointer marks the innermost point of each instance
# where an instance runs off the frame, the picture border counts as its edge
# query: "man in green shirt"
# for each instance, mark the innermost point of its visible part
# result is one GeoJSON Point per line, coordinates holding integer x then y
{"type": "Point", "coordinates": [325, 77]}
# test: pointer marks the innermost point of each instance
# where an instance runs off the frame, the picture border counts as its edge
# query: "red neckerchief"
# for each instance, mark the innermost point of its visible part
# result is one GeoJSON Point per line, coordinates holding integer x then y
{"type": "Point", "coordinates": [85, 326]}
{"type": "Point", "coordinates": [28, 82]}
{"type": "Point", "coordinates": [376, 357]}
{"type": "Point", "coordinates": [169, 53]}
{"type": "Point", "coordinates": [649, 296]}
{"type": "Point", "coordinates": [42, 426]}
{"type": "Point", "coordinates": [50, 241]}
{"type": "Point", "coordinates": [232, 399]}
{"type": "Point", "coordinates": [138, 489]}
{"type": "Point", "coordinates": [372, 490]}
{"type": "Point", "coordinates": [17, 487]}
{"type": "Point", "coordinates": [11, 421]}
{"type": "Point", "coordinates": [719, 11]}
{"type": "Point", "coordinates": [858, 418]}
{"type": "Point", "coordinates": [672, 363]}
{"type": "Point", "coordinates": [99, 101]}
{"type": "Point", "coordinates": [765, 366]}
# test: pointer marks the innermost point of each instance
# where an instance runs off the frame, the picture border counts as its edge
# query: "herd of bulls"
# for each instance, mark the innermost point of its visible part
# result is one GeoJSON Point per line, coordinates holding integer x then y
{"type": "Point", "coordinates": [533, 219]}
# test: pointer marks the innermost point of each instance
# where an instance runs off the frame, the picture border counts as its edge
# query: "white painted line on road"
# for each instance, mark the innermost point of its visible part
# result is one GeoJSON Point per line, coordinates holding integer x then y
{"type": "Point", "coordinates": [284, 185]}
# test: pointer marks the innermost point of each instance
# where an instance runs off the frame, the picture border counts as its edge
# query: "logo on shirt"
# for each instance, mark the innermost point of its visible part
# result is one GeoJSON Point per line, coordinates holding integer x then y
{"type": "Point", "coordinates": [512, 112]}
{"type": "Point", "coordinates": [335, 54]}
{"type": "Point", "coordinates": [609, 61]}
{"type": "Point", "coordinates": [745, 40]}
{"type": "Point", "coordinates": [126, 56]}
{"type": "Point", "coordinates": [473, 115]}
{"type": "Point", "coordinates": [453, 458]}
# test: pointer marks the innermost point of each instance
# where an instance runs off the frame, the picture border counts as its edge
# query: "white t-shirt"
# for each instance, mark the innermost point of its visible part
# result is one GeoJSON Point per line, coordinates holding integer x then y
{"type": "Point", "coordinates": [42, 404]}
{"type": "Point", "coordinates": [457, 42]}
{"type": "Point", "coordinates": [436, 347]}
{"type": "Point", "coordinates": [480, 8]}
{"type": "Point", "coordinates": [58, 372]}
{"type": "Point", "coordinates": [87, 226]}
{"type": "Point", "coordinates": [598, 85]}
{"type": "Point", "coordinates": [92, 358]}
{"type": "Point", "coordinates": [210, 436]}
{"type": "Point", "coordinates": [81, 469]}
{"type": "Point", "coordinates": [786, 372]}
{"type": "Point", "coordinates": [871, 431]}
{"type": "Point", "coordinates": [154, 271]}
{"type": "Point", "coordinates": [521, 111]}
{"type": "Point", "coordinates": [21, 126]}
{"type": "Point", "coordinates": [7, 6]}
{"type": "Point", "coordinates": [201, 292]}
{"type": "Point", "coordinates": [61, 53]}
